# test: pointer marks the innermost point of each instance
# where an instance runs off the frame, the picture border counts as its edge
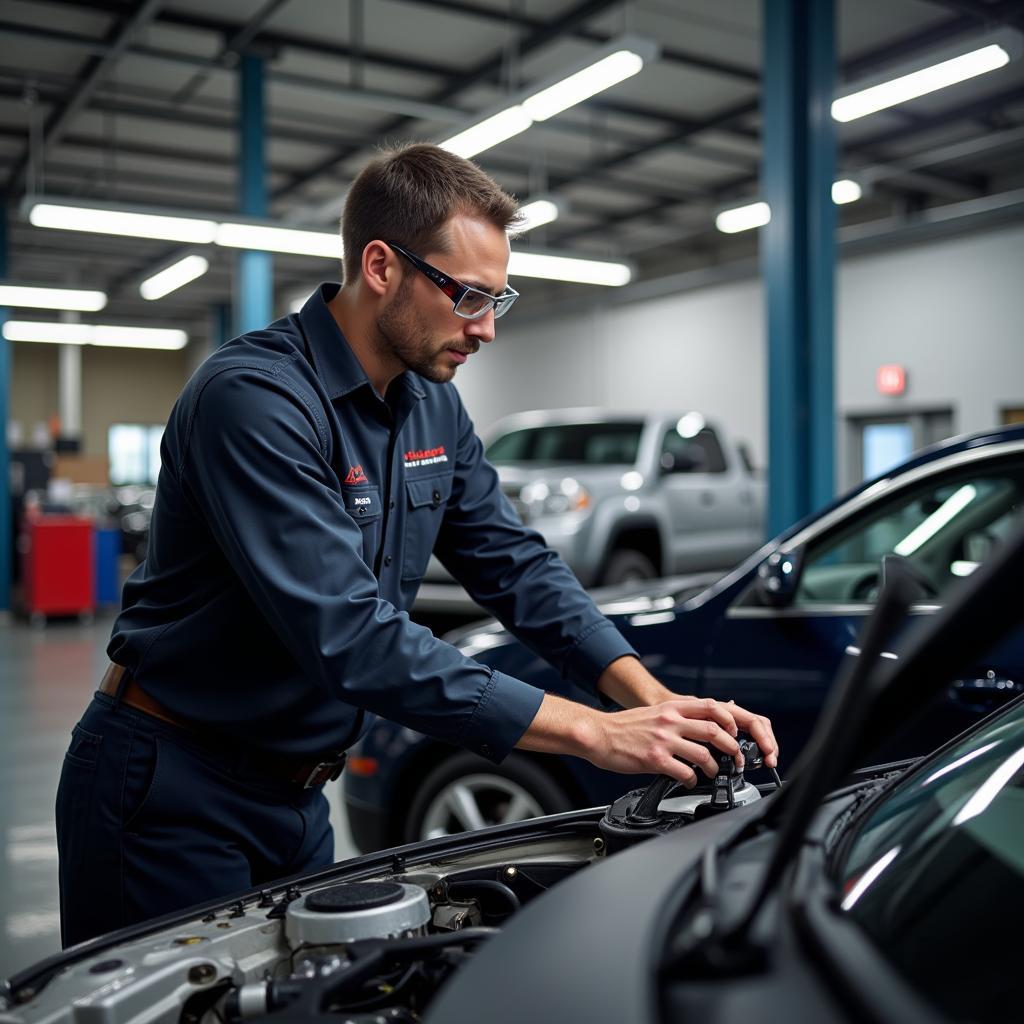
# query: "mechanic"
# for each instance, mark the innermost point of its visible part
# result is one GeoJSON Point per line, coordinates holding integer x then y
{"type": "Point", "coordinates": [308, 471]}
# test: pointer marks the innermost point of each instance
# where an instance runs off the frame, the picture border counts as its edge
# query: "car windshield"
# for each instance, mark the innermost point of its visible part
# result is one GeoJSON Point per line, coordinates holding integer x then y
{"type": "Point", "coordinates": [597, 444]}
{"type": "Point", "coordinates": [935, 874]}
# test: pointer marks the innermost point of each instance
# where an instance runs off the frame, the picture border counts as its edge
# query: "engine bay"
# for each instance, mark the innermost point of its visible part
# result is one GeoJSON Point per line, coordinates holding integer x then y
{"type": "Point", "coordinates": [367, 941]}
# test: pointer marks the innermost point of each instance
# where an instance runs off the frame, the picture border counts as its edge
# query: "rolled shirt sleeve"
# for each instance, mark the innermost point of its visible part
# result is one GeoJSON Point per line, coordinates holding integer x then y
{"type": "Point", "coordinates": [255, 462]}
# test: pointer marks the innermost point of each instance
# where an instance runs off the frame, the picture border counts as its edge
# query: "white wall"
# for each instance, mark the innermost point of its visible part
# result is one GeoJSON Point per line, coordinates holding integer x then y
{"type": "Point", "coordinates": [950, 310]}
{"type": "Point", "coordinates": [702, 350]}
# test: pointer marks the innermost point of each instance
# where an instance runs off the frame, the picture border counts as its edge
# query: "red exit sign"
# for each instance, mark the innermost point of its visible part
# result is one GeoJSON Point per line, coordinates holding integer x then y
{"type": "Point", "coordinates": [891, 380]}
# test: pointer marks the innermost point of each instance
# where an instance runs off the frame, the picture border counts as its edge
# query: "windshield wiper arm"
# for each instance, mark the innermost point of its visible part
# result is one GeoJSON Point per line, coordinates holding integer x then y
{"type": "Point", "coordinates": [873, 697]}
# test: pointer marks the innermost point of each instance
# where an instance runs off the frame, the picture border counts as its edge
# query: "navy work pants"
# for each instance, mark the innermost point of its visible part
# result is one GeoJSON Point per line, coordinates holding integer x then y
{"type": "Point", "coordinates": [150, 820]}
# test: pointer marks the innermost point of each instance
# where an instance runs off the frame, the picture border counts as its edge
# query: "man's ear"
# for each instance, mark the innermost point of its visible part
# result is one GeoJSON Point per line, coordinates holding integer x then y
{"type": "Point", "coordinates": [380, 268]}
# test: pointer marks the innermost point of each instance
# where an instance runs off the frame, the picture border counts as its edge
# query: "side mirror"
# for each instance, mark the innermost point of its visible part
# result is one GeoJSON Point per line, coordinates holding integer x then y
{"type": "Point", "coordinates": [778, 577]}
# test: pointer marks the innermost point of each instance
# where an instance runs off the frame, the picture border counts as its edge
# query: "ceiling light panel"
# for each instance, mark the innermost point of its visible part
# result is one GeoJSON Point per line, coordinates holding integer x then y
{"type": "Point", "coordinates": [42, 297]}
{"type": "Point", "coordinates": [103, 335]}
{"type": "Point", "coordinates": [69, 217]}
{"type": "Point", "coordinates": [568, 268]}
{"type": "Point", "coordinates": [171, 278]}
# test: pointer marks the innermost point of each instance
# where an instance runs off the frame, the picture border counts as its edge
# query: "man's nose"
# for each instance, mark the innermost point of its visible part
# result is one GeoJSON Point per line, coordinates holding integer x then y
{"type": "Point", "coordinates": [482, 328]}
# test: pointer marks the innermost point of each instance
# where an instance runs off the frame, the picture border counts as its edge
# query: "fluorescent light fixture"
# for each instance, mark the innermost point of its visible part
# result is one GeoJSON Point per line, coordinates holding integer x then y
{"type": "Point", "coordinates": [533, 215]}
{"type": "Point", "coordinates": [944, 514]}
{"type": "Point", "coordinates": [743, 218]}
{"type": "Point", "coordinates": [920, 83]}
{"type": "Point", "coordinates": [173, 277]}
{"type": "Point", "coordinates": [38, 297]}
{"type": "Point", "coordinates": [273, 239]}
{"type": "Point", "coordinates": [870, 877]}
{"type": "Point", "coordinates": [326, 244]}
{"type": "Point", "coordinates": [569, 268]}
{"type": "Point", "coordinates": [618, 60]}
{"type": "Point", "coordinates": [845, 191]}
{"type": "Point", "coordinates": [104, 221]}
{"type": "Point", "coordinates": [489, 132]}
{"type": "Point", "coordinates": [756, 215]}
{"type": "Point", "coordinates": [959, 763]}
{"type": "Point", "coordinates": [608, 71]}
{"type": "Point", "coordinates": [991, 788]}
{"type": "Point", "coordinates": [104, 335]}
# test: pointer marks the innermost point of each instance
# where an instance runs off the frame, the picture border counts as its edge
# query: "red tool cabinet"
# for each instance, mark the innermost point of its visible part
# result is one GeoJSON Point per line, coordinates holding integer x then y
{"type": "Point", "coordinates": [58, 566]}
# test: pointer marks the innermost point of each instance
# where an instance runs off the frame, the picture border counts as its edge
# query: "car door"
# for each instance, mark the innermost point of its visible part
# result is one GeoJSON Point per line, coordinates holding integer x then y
{"type": "Point", "coordinates": [944, 520]}
{"type": "Point", "coordinates": [709, 507]}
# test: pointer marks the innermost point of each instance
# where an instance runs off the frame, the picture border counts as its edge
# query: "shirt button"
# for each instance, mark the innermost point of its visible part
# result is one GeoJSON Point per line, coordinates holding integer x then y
{"type": "Point", "coordinates": [437, 497]}
{"type": "Point", "coordinates": [391, 504]}
{"type": "Point", "coordinates": [485, 750]}
{"type": "Point", "coordinates": [387, 559]}
{"type": "Point", "coordinates": [362, 511]}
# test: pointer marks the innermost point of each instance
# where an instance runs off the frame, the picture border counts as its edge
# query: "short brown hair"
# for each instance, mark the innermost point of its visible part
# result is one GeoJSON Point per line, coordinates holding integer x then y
{"type": "Point", "coordinates": [407, 193]}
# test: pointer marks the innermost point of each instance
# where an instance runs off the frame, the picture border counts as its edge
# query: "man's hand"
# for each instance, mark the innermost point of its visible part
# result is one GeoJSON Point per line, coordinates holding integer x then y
{"type": "Point", "coordinates": [628, 683]}
{"type": "Point", "coordinates": [643, 739]}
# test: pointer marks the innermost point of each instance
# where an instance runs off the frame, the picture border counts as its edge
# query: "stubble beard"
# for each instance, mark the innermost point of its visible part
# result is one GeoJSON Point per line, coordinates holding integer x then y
{"type": "Point", "coordinates": [403, 337]}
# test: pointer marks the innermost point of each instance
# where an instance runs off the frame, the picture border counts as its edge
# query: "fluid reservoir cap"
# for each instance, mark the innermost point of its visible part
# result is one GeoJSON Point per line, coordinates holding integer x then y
{"type": "Point", "coordinates": [354, 896]}
{"type": "Point", "coordinates": [356, 910]}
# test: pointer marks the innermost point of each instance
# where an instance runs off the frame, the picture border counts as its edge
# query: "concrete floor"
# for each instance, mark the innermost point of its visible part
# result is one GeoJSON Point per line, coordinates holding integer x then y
{"type": "Point", "coordinates": [47, 677]}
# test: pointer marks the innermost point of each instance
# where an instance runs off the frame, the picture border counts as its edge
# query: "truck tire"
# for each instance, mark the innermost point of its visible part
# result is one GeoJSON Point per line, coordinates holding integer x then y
{"type": "Point", "coordinates": [626, 565]}
{"type": "Point", "coordinates": [465, 791]}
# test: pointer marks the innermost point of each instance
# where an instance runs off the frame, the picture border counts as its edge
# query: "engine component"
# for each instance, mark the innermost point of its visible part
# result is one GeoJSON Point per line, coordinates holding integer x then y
{"type": "Point", "coordinates": [356, 910]}
{"type": "Point", "coordinates": [643, 814]}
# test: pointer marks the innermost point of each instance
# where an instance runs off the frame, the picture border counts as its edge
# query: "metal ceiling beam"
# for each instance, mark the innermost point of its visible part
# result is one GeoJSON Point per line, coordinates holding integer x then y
{"type": "Point", "coordinates": [118, 40]}
{"type": "Point", "coordinates": [1008, 12]}
{"type": "Point", "coordinates": [718, 120]}
{"type": "Point", "coordinates": [230, 52]}
{"type": "Point", "coordinates": [965, 112]}
{"type": "Point", "coordinates": [671, 54]}
{"type": "Point", "coordinates": [482, 70]}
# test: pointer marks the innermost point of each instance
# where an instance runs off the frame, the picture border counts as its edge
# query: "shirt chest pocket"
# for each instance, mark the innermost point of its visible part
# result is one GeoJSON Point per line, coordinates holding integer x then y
{"type": "Point", "coordinates": [425, 503]}
{"type": "Point", "coordinates": [364, 506]}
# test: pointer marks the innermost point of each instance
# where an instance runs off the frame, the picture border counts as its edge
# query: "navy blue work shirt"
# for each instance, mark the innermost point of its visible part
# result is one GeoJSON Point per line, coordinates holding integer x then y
{"type": "Point", "coordinates": [295, 514]}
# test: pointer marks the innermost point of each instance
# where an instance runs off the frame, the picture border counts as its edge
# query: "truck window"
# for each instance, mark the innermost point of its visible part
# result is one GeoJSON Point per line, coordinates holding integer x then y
{"type": "Point", "coordinates": [592, 444]}
{"type": "Point", "coordinates": [708, 449]}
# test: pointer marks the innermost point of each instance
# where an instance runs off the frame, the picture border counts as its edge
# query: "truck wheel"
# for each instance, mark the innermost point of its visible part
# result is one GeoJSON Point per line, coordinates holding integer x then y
{"type": "Point", "coordinates": [466, 792]}
{"type": "Point", "coordinates": [626, 565]}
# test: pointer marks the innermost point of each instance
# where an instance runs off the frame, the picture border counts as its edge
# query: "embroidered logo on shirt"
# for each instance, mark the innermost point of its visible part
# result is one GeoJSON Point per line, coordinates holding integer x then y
{"type": "Point", "coordinates": [425, 457]}
{"type": "Point", "coordinates": [356, 476]}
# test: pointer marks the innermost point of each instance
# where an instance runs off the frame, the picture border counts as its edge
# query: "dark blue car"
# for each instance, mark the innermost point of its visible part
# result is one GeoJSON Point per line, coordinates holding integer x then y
{"type": "Point", "coordinates": [769, 635]}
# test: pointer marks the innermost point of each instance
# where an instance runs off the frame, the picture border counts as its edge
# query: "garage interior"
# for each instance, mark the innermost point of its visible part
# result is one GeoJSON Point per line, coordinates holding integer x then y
{"type": "Point", "coordinates": [834, 340]}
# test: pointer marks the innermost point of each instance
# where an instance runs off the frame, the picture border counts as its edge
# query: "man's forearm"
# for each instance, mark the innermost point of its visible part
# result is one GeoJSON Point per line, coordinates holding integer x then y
{"type": "Point", "coordinates": [630, 685]}
{"type": "Point", "coordinates": [562, 727]}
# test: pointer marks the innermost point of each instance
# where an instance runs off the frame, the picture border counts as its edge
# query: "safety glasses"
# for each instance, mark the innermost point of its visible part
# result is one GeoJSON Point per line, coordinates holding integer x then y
{"type": "Point", "coordinates": [467, 302]}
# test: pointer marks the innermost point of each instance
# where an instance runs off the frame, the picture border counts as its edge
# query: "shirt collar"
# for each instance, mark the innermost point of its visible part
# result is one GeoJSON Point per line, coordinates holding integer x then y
{"type": "Point", "coordinates": [334, 361]}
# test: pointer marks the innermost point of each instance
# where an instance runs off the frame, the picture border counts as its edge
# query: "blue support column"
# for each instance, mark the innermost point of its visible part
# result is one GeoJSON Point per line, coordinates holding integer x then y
{"type": "Point", "coordinates": [798, 255]}
{"type": "Point", "coordinates": [220, 325]}
{"type": "Point", "coordinates": [254, 283]}
{"type": "Point", "coordinates": [6, 568]}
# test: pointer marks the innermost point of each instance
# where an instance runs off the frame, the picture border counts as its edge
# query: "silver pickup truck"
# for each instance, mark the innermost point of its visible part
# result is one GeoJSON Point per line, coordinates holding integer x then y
{"type": "Point", "coordinates": [625, 496]}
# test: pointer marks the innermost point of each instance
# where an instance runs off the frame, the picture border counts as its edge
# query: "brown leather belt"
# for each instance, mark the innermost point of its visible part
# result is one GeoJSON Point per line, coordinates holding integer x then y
{"type": "Point", "coordinates": [306, 774]}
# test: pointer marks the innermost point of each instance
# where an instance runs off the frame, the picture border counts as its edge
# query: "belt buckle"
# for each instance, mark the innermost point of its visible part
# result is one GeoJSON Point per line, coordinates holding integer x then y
{"type": "Point", "coordinates": [325, 771]}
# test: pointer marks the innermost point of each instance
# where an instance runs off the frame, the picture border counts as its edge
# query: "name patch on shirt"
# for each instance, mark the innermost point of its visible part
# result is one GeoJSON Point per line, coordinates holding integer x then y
{"type": "Point", "coordinates": [425, 457]}
{"type": "Point", "coordinates": [362, 503]}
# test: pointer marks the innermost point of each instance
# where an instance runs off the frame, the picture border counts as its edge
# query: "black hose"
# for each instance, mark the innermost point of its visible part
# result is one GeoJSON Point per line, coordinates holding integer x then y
{"type": "Point", "coordinates": [487, 885]}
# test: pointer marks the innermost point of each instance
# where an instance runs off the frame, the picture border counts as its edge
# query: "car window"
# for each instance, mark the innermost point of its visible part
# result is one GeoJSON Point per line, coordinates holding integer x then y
{"type": "Point", "coordinates": [598, 444]}
{"type": "Point", "coordinates": [935, 874]}
{"type": "Point", "coordinates": [945, 529]}
{"type": "Point", "coordinates": [704, 445]}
